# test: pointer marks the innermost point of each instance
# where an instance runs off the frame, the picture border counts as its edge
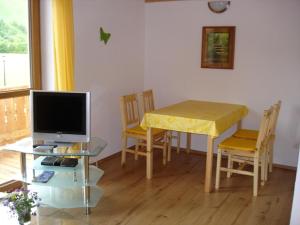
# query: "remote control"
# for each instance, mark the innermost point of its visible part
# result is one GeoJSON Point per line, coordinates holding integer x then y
{"type": "Point", "coordinates": [44, 177]}
{"type": "Point", "coordinates": [37, 145]}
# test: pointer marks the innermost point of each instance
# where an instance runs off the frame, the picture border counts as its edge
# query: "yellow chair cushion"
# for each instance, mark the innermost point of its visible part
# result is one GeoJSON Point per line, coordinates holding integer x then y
{"type": "Point", "coordinates": [138, 130]}
{"type": "Point", "coordinates": [247, 134]}
{"type": "Point", "coordinates": [234, 143]}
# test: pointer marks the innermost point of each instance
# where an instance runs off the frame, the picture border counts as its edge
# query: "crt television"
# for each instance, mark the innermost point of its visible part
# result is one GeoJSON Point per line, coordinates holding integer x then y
{"type": "Point", "coordinates": [60, 116]}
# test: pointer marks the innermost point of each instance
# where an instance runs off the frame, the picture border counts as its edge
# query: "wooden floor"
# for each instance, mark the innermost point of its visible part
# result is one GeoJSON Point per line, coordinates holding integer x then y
{"type": "Point", "coordinates": [10, 165]}
{"type": "Point", "coordinates": [175, 197]}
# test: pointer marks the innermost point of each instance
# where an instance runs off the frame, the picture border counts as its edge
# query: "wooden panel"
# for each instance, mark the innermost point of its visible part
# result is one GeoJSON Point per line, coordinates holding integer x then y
{"type": "Point", "coordinates": [14, 122]}
{"type": "Point", "coordinates": [148, 101]}
{"type": "Point", "coordinates": [10, 186]}
{"type": "Point", "coordinates": [13, 92]}
{"type": "Point", "coordinates": [35, 44]}
{"type": "Point", "coordinates": [130, 111]}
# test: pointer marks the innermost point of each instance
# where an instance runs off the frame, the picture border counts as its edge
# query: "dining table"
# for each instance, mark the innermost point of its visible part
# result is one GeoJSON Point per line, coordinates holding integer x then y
{"type": "Point", "coordinates": [193, 117]}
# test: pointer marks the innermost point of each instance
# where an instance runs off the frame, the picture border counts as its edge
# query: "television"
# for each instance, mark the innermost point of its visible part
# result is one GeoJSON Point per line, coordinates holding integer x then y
{"type": "Point", "coordinates": [60, 116]}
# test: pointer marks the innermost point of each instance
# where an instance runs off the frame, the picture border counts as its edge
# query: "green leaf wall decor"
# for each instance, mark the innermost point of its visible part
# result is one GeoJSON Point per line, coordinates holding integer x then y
{"type": "Point", "coordinates": [104, 36]}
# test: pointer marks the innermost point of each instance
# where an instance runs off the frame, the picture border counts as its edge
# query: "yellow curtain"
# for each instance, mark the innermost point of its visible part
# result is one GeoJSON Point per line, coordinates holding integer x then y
{"type": "Point", "coordinates": [63, 40]}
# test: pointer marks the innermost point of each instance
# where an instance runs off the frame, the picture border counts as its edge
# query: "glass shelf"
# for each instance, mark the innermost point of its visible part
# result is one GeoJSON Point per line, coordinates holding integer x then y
{"type": "Point", "coordinates": [66, 189]}
{"type": "Point", "coordinates": [67, 179]}
{"type": "Point", "coordinates": [92, 148]}
{"type": "Point", "coordinates": [64, 176]}
{"type": "Point", "coordinates": [66, 197]}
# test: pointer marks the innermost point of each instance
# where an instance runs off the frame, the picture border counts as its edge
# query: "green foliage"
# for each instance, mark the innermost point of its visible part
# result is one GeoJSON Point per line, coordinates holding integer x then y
{"type": "Point", "coordinates": [13, 26]}
{"type": "Point", "coordinates": [13, 37]}
{"type": "Point", "coordinates": [14, 10]}
{"type": "Point", "coordinates": [217, 47]}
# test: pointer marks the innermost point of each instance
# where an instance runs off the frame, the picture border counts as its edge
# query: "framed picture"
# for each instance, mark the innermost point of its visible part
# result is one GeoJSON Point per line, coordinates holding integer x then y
{"type": "Point", "coordinates": [218, 47]}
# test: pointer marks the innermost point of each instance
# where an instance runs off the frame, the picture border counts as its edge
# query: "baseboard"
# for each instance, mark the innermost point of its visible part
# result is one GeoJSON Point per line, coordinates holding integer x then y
{"type": "Point", "coordinates": [109, 157]}
{"type": "Point", "coordinates": [293, 168]}
{"type": "Point", "coordinates": [198, 152]}
{"type": "Point", "coordinates": [195, 152]}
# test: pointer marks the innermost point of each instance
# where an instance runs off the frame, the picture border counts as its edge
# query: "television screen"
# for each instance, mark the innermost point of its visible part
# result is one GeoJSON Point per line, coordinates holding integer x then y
{"type": "Point", "coordinates": [60, 116]}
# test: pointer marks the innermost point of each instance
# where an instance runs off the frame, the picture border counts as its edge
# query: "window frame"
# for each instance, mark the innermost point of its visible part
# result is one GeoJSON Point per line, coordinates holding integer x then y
{"type": "Point", "coordinates": [34, 54]}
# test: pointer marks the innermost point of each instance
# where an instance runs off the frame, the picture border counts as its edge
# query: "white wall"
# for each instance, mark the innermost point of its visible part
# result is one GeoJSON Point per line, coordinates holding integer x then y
{"type": "Point", "coordinates": [267, 61]}
{"type": "Point", "coordinates": [107, 71]}
{"type": "Point", "coordinates": [111, 70]}
{"type": "Point", "coordinates": [295, 216]}
{"type": "Point", "coordinates": [47, 45]}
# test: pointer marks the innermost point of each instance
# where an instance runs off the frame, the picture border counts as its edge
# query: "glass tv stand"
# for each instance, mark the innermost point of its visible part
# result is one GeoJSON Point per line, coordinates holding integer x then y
{"type": "Point", "coordinates": [70, 187]}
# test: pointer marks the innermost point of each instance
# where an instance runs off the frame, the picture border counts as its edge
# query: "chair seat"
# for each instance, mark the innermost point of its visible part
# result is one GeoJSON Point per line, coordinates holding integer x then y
{"type": "Point", "coordinates": [240, 144]}
{"type": "Point", "coordinates": [138, 130]}
{"type": "Point", "coordinates": [247, 134]}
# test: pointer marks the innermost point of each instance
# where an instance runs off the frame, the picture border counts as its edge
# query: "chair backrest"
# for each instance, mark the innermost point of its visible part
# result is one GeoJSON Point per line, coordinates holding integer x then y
{"type": "Point", "coordinates": [129, 111]}
{"type": "Point", "coordinates": [274, 118]}
{"type": "Point", "coordinates": [264, 128]}
{"type": "Point", "coordinates": [148, 101]}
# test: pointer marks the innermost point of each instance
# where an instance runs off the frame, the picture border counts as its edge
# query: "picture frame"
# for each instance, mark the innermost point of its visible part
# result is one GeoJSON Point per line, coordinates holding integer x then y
{"type": "Point", "coordinates": [218, 47]}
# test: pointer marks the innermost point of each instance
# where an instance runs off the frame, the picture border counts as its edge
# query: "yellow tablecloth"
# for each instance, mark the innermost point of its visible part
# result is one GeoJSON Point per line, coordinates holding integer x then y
{"type": "Point", "coordinates": [200, 117]}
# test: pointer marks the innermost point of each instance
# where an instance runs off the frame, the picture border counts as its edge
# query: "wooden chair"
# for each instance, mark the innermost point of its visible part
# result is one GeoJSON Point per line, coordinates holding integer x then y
{"type": "Point", "coordinates": [131, 129]}
{"type": "Point", "coordinates": [148, 106]}
{"type": "Point", "coordinates": [254, 150]}
{"type": "Point", "coordinates": [253, 134]}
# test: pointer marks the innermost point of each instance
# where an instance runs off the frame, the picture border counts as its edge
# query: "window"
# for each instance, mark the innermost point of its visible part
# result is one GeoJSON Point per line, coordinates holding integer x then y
{"type": "Point", "coordinates": [19, 66]}
{"type": "Point", "coordinates": [14, 44]}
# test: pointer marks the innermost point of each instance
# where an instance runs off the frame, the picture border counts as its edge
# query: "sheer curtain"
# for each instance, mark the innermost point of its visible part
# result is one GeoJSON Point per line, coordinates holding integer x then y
{"type": "Point", "coordinates": [63, 41]}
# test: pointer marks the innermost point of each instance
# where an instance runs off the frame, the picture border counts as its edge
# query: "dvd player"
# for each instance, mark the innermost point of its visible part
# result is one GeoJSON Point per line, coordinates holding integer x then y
{"type": "Point", "coordinates": [59, 161]}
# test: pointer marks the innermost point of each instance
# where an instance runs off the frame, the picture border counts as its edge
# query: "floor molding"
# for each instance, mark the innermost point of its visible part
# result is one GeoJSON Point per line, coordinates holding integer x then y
{"type": "Point", "coordinates": [107, 158]}
{"type": "Point", "coordinates": [199, 152]}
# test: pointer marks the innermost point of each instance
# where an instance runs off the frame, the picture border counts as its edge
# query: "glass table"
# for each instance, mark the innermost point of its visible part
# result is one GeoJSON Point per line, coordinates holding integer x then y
{"type": "Point", "coordinates": [70, 187]}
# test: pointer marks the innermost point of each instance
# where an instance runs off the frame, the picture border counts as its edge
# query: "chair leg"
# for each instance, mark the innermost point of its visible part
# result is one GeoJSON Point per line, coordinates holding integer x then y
{"type": "Point", "coordinates": [165, 146]}
{"type": "Point", "coordinates": [169, 145]}
{"type": "Point", "coordinates": [266, 166]}
{"type": "Point", "coordinates": [270, 157]}
{"type": "Point", "coordinates": [124, 146]}
{"type": "Point", "coordinates": [263, 168]}
{"type": "Point", "coordinates": [178, 142]}
{"type": "Point", "coordinates": [218, 169]}
{"type": "Point", "coordinates": [229, 165]}
{"type": "Point", "coordinates": [255, 177]}
{"type": "Point", "coordinates": [136, 156]}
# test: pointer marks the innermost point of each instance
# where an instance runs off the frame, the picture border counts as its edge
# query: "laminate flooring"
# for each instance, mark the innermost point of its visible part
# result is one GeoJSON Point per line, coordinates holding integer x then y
{"type": "Point", "coordinates": [175, 196]}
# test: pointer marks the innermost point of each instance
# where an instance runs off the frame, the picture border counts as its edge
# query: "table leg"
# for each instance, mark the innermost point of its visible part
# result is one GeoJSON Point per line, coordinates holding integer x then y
{"type": "Point", "coordinates": [86, 191]}
{"type": "Point", "coordinates": [169, 145]}
{"type": "Point", "coordinates": [239, 125]}
{"type": "Point", "coordinates": [209, 164]}
{"type": "Point", "coordinates": [188, 142]}
{"type": "Point", "coordinates": [23, 169]}
{"type": "Point", "coordinates": [149, 166]}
